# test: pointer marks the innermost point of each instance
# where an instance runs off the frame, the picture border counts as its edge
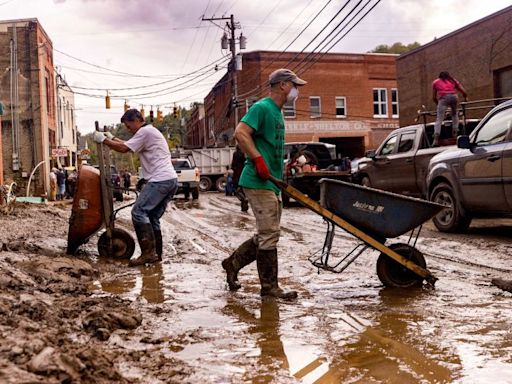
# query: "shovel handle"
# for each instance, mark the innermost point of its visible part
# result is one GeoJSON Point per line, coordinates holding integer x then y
{"type": "Point", "coordinates": [280, 183]}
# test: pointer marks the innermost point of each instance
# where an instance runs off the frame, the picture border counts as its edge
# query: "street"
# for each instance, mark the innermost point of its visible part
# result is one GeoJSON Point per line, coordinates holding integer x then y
{"type": "Point", "coordinates": [343, 328]}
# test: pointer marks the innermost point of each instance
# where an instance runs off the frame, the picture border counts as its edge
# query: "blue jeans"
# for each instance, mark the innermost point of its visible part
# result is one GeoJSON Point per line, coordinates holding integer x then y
{"type": "Point", "coordinates": [152, 202]}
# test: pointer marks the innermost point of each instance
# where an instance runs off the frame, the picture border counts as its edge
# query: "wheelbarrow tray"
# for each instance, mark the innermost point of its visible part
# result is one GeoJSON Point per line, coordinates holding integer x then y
{"type": "Point", "coordinates": [87, 212]}
{"type": "Point", "coordinates": [376, 212]}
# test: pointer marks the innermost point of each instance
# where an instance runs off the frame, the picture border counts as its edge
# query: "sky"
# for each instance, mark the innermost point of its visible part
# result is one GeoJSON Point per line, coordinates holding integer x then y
{"type": "Point", "coordinates": [164, 46]}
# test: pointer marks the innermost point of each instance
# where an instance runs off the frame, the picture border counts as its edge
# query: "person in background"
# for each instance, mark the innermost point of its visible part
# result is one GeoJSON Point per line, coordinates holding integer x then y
{"type": "Point", "coordinates": [229, 189]}
{"type": "Point", "coordinates": [260, 135]}
{"type": "Point", "coordinates": [72, 179]}
{"type": "Point", "coordinates": [445, 89]}
{"type": "Point", "coordinates": [162, 181]}
{"type": "Point", "coordinates": [237, 165]}
{"type": "Point", "coordinates": [53, 184]}
{"type": "Point", "coordinates": [127, 180]}
{"type": "Point", "coordinates": [61, 184]}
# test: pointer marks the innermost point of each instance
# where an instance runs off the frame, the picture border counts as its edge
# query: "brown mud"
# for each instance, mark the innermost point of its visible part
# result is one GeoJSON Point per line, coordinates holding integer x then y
{"type": "Point", "coordinates": [83, 319]}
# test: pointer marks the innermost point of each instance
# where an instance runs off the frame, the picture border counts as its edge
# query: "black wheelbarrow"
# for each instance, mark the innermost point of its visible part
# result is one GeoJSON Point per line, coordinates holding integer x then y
{"type": "Point", "coordinates": [93, 209]}
{"type": "Point", "coordinates": [372, 216]}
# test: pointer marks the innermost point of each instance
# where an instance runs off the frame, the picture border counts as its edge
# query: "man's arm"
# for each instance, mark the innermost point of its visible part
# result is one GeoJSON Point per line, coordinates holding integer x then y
{"type": "Point", "coordinates": [461, 89]}
{"type": "Point", "coordinates": [434, 94]}
{"type": "Point", "coordinates": [243, 135]}
{"type": "Point", "coordinates": [116, 144]}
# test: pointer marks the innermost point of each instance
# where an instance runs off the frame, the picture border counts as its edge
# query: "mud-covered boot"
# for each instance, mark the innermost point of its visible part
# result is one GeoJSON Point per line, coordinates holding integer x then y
{"type": "Point", "coordinates": [267, 271]}
{"type": "Point", "coordinates": [146, 239]}
{"type": "Point", "coordinates": [505, 285]}
{"type": "Point", "coordinates": [159, 246]}
{"type": "Point", "coordinates": [242, 256]}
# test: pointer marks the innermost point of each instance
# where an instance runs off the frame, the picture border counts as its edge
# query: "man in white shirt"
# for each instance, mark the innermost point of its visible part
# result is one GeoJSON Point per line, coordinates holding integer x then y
{"type": "Point", "coordinates": [155, 159]}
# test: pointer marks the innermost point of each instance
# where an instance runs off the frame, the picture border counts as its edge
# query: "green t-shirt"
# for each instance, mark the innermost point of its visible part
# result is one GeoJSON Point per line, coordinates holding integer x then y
{"type": "Point", "coordinates": [266, 119]}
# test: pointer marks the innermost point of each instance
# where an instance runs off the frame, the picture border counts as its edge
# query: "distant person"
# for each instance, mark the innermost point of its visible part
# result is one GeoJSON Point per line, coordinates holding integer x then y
{"type": "Point", "coordinates": [444, 90]}
{"type": "Point", "coordinates": [61, 184]}
{"type": "Point", "coordinates": [127, 180]}
{"type": "Point", "coordinates": [72, 179]}
{"type": "Point", "coordinates": [53, 184]}
{"type": "Point", "coordinates": [229, 189]}
{"type": "Point", "coordinates": [162, 181]}
{"type": "Point", "coordinates": [237, 165]}
{"type": "Point", "coordinates": [260, 135]}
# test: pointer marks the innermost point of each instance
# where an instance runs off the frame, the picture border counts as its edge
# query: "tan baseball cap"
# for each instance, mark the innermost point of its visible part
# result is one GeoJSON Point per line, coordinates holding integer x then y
{"type": "Point", "coordinates": [283, 74]}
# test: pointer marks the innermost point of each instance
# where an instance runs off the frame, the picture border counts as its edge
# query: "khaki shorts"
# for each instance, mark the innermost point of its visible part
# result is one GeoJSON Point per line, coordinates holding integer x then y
{"type": "Point", "coordinates": [267, 208]}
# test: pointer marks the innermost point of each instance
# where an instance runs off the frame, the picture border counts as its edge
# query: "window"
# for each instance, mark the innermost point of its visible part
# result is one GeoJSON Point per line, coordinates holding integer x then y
{"type": "Point", "coordinates": [314, 106]}
{"type": "Point", "coordinates": [495, 129]}
{"type": "Point", "coordinates": [406, 142]}
{"type": "Point", "coordinates": [503, 81]}
{"type": "Point", "coordinates": [289, 110]}
{"type": "Point", "coordinates": [380, 101]}
{"type": "Point", "coordinates": [389, 146]}
{"type": "Point", "coordinates": [341, 105]}
{"type": "Point", "coordinates": [394, 102]}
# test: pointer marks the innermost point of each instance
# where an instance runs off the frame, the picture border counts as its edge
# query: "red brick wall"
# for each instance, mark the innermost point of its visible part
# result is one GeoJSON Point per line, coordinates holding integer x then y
{"type": "Point", "coordinates": [472, 54]}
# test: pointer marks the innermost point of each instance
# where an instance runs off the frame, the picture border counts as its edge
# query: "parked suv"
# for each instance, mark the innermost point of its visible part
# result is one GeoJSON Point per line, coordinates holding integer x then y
{"type": "Point", "coordinates": [188, 177]}
{"type": "Point", "coordinates": [475, 179]}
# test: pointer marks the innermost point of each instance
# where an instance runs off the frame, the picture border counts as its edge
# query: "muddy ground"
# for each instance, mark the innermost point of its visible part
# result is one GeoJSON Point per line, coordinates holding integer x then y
{"type": "Point", "coordinates": [83, 319]}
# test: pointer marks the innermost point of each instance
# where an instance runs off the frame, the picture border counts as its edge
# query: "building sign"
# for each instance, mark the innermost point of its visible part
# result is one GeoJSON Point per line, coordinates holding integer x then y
{"type": "Point", "coordinates": [85, 154]}
{"type": "Point", "coordinates": [59, 152]}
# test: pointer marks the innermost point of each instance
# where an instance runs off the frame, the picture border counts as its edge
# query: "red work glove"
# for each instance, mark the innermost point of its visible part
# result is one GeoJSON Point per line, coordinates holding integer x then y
{"type": "Point", "coordinates": [261, 168]}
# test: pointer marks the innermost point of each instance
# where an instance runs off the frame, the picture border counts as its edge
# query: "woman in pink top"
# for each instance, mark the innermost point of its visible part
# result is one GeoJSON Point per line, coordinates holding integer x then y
{"type": "Point", "coordinates": [445, 89]}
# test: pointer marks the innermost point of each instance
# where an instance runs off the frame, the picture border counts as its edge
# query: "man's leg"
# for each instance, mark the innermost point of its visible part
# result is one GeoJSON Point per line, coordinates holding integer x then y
{"type": "Point", "coordinates": [242, 256]}
{"type": "Point", "coordinates": [453, 102]}
{"type": "Point", "coordinates": [157, 213]}
{"type": "Point", "coordinates": [267, 209]}
{"type": "Point", "coordinates": [151, 197]}
{"type": "Point", "coordinates": [441, 110]}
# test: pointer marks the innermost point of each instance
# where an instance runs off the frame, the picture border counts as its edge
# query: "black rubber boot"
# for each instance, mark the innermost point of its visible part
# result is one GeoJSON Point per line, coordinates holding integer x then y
{"type": "Point", "coordinates": [267, 270]}
{"type": "Point", "coordinates": [146, 239]}
{"type": "Point", "coordinates": [243, 255]}
{"type": "Point", "coordinates": [159, 246]}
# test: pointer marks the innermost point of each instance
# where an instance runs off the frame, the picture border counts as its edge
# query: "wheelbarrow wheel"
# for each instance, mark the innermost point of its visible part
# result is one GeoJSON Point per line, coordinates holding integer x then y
{"type": "Point", "coordinates": [123, 245]}
{"type": "Point", "coordinates": [393, 274]}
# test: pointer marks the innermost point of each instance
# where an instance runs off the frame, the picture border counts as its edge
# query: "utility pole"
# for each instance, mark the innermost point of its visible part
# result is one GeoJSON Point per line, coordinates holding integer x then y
{"type": "Point", "coordinates": [234, 66]}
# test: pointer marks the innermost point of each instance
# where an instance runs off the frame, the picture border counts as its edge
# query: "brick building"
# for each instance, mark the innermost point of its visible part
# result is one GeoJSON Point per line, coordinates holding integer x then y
{"type": "Point", "coordinates": [196, 128]}
{"type": "Point", "coordinates": [27, 90]}
{"type": "Point", "coordinates": [479, 55]}
{"type": "Point", "coordinates": [351, 100]}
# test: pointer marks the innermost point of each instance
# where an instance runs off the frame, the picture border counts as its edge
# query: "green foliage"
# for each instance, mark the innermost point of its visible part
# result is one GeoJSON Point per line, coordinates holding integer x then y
{"type": "Point", "coordinates": [397, 47]}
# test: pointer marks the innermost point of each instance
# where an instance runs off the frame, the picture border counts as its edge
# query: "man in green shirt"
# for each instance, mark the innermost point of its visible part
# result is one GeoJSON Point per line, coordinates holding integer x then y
{"type": "Point", "coordinates": [260, 134]}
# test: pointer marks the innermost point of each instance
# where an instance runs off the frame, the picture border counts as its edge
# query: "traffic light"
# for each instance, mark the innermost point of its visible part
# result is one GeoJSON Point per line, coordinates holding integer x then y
{"type": "Point", "coordinates": [107, 102]}
{"type": "Point", "coordinates": [151, 117]}
{"type": "Point", "coordinates": [126, 106]}
{"type": "Point", "coordinates": [159, 115]}
{"type": "Point", "coordinates": [175, 112]}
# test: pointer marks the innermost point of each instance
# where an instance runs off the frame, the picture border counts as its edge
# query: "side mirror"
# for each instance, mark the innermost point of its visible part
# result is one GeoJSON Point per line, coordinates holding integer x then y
{"type": "Point", "coordinates": [371, 154]}
{"type": "Point", "coordinates": [463, 142]}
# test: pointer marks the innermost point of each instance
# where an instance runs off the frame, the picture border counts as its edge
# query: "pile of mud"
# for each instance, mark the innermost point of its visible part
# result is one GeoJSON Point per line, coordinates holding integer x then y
{"type": "Point", "coordinates": [52, 328]}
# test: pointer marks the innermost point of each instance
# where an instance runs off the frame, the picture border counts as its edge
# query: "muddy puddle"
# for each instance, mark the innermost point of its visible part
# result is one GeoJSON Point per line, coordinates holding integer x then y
{"type": "Point", "coordinates": [344, 328]}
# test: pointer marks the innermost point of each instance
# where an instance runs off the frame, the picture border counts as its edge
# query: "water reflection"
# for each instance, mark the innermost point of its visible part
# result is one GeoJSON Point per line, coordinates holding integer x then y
{"type": "Point", "coordinates": [147, 281]}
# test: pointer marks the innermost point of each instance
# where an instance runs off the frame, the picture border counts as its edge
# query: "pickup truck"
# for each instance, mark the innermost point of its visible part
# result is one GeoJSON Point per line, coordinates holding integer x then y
{"type": "Point", "coordinates": [400, 164]}
{"type": "Point", "coordinates": [188, 177]}
{"type": "Point", "coordinates": [474, 179]}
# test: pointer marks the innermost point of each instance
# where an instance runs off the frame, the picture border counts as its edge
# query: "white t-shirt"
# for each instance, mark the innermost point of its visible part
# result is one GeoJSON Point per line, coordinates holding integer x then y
{"type": "Point", "coordinates": [153, 150]}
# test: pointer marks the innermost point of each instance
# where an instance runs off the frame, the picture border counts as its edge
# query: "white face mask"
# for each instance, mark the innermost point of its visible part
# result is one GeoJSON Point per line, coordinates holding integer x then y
{"type": "Point", "coordinates": [292, 95]}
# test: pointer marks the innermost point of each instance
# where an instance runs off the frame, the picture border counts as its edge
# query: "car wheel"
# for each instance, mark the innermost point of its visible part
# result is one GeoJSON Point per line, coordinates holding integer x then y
{"type": "Point", "coordinates": [205, 184]}
{"type": "Point", "coordinates": [365, 181]}
{"type": "Point", "coordinates": [220, 184]}
{"type": "Point", "coordinates": [450, 219]}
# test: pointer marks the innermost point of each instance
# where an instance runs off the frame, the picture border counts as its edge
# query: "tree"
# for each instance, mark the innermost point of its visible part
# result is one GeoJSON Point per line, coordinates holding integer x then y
{"type": "Point", "coordinates": [397, 47]}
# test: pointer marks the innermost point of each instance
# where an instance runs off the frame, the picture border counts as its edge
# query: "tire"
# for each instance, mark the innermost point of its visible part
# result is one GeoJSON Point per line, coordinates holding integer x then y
{"type": "Point", "coordinates": [205, 184]}
{"type": "Point", "coordinates": [393, 274]}
{"type": "Point", "coordinates": [123, 245]}
{"type": "Point", "coordinates": [365, 181]}
{"type": "Point", "coordinates": [450, 219]}
{"type": "Point", "coordinates": [220, 184]}
{"type": "Point", "coordinates": [195, 193]}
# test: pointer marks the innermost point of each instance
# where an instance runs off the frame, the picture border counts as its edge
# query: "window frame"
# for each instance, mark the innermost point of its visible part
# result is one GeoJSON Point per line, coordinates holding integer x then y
{"type": "Point", "coordinates": [319, 107]}
{"type": "Point", "coordinates": [380, 103]}
{"type": "Point", "coordinates": [393, 103]}
{"type": "Point", "coordinates": [294, 110]}
{"type": "Point", "coordinates": [336, 98]}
